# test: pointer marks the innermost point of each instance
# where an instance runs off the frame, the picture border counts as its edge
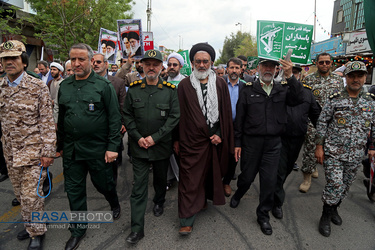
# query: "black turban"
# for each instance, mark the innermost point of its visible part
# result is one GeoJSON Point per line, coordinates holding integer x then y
{"type": "Point", "coordinates": [133, 35]}
{"type": "Point", "coordinates": [202, 47]}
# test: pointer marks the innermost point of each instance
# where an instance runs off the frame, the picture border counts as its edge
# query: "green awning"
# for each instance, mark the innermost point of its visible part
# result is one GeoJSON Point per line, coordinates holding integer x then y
{"type": "Point", "coordinates": [369, 8]}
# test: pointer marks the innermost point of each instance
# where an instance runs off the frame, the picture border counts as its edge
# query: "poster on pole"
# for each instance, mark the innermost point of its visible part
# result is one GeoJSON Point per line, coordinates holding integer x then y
{"type": "Point", "coordinates": [186, 69]}
{"type": "Point", "coordinates": [276, 38]}
{"type": "Point", "coordinates": [148, 41]}
{"type": "Point", "coordinates": [131, 37]}
{"type": "Point", "coordinates": [252, 62]}
{"type": "Point", "coordinates": [107, 44]}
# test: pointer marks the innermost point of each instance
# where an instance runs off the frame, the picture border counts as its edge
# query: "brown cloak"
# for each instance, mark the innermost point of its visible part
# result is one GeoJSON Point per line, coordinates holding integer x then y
{"type": "Point", "coordinates": [202, 164]}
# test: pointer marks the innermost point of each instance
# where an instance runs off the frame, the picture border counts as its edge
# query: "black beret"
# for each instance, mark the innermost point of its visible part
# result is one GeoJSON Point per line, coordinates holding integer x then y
{"type": "Point", "coordinates": [202, 47]}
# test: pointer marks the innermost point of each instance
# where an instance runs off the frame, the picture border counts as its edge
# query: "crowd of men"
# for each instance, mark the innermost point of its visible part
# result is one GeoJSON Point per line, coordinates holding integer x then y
{"type": "Point", "coordinates": [194, 129]}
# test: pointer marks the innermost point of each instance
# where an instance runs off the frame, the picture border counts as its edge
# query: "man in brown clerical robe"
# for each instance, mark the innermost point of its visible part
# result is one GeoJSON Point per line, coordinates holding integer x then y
{"type": "Point", "coordinates": [205, 137]}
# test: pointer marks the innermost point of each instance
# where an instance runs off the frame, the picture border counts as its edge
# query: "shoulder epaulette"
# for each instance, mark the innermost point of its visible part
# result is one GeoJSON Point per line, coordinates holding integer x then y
{"type": "Point", "coordinates": [168, 84]}
{"type": "Point", "coordinates": [307, 86]}
{"type": "Point", "coordinates": [284, 82]}
{"type": "Point", "coordinates": [335, 95]}
{"type": "Point", "coordinates": [371, 95]}
{"type": "Point", "coordinates": [249, 84]}
{"type": "Point", "coordinates": [135, 83]}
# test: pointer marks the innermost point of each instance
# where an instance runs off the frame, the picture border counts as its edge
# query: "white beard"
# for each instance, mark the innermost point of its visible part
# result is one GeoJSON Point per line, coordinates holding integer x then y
{"type": "Point", "coordinates": [201, 75]}
{"type": "Point", "coordinates": [134, 50]}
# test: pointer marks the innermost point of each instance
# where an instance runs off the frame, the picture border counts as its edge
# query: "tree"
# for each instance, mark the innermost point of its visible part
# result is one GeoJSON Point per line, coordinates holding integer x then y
{"type": "Point", "coordinates": [237, 44]}
{"type": "Point", "coordinates": [64, 23]}
{"type": "Point", "coordinates": [10, 24]}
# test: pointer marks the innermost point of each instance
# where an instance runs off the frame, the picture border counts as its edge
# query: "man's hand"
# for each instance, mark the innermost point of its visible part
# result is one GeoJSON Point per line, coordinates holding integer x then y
{"type": "Point", "coordinates": [123, 129]}
{"type": "Point", "coordinates": [371, 154]}
{"type": "Point", "coordinates": [176, 147]}
{"type": "Point", "coordinates": [149, 141]}
{"type": "Point", "coordinates": [46, 161]}
{"type": "Point", "coordinates": [142, 143]}
{"type": "Point", "coordinates": [215, 139]}
{"type": "Point", "coordinates": [319, 154]}
{"type": "Point", "coordinates": [110, 156]}
{"type": "Point", "coordinates": [237, 153]}
{"type": "Point", "coordinates": [287, 67]}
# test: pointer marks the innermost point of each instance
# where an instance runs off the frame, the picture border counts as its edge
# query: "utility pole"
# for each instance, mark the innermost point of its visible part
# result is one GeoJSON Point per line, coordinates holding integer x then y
{"type": "Point", "coordinates": [314, 20]}
{"type": "Point", "coordinates": [240, 24]}
{"type": "Point", "coordinates": [149, 12]}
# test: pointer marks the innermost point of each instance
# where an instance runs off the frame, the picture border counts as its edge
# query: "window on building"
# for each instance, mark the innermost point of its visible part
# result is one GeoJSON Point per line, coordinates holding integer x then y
{"type": "Point", "coordinates": [340, 16]}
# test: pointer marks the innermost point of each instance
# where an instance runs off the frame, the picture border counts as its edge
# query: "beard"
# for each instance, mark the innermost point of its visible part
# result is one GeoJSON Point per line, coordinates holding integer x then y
{"type": "Point", "coordinates": [201, 75]}
{"type": "Point", "coordinates": [172, 73]}
{"type": "Point", "coordinates": [267, 77]}
{"type": "Point", "coordinates": [139, 69]}
{"type": "Point", "coordinates": [153, 77]}
{"type": "Point", "coordinates": [234, 76]}
{"type": "Point", "coordinates": [134, 49]}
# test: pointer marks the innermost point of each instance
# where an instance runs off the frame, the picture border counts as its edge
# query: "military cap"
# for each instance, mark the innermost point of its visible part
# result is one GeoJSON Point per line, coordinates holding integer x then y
{"type": "Point", "coordinates": [262, 60]}
{"type": "Point", "coordinates": [355, 66]}
{"type": "Point", "coordinates": [297, 67]}
{"type": "Point", "coordinates": [12, 48]}
{"type": "Point", "coordinates": [153, 54]}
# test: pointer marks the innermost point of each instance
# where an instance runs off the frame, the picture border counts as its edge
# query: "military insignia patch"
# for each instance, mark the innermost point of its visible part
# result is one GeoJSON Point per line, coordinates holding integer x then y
{"type": "Point", "coordinates": [143, 85]}
{"type": "Point", "coordinates": [316, 92]}
{"type": "Point", "coordinates": [367, 124]}
{"type": "Point", "coordinates": [173, 86]}
{"type": "Point", "coordinates": [152, 53]}
{"type": "Point", "coordinates": [8, 45]}
{"type": "Point", "coordinates": [160, 86]}
{"type": "Point", "coordinates": [341, 121]}
{"type": "Point", "coordinates": [356, 66]}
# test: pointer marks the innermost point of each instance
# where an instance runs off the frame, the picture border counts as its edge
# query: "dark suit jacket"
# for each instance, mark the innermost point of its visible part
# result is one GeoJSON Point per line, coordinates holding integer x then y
{"type": "Point", "coordinates": [241, 84]}
{"type": "Point", "coordinates": [49, 77]}
{"type": "Point", "coordinates": [119, 86]}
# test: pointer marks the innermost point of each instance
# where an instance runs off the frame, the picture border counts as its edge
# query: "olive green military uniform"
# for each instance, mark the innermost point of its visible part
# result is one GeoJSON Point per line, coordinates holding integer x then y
{"type": "Point", "coordinates": [149, 110]}
{"type": "Point", "coordinates": [89, 125]}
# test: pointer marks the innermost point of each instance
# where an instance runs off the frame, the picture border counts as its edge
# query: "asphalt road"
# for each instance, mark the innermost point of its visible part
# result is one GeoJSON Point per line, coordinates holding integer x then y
{"type": "Point", "coordinates": [219, 227]}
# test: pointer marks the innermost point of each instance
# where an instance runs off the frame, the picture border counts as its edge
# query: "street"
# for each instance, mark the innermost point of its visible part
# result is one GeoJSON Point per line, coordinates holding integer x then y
{"type": "Point", "coordinates": [219, 227]}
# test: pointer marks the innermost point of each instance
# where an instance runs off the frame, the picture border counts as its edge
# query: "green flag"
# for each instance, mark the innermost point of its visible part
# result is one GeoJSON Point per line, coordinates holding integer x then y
{"type": "Point", "coordinates": [252, 62]}
{"type": "Point", "coordinates": [276, 38]}
{"type": "Point", "coordinates": [186, 69]}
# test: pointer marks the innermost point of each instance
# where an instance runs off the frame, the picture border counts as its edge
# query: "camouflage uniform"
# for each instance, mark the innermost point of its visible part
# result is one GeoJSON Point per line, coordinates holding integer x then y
{"type": "Point", "coordinates": [342, 128]}
{"type": "Point", "coordinates": [28, 134]}
{"type": "Point", "coordinates": [322, 88]}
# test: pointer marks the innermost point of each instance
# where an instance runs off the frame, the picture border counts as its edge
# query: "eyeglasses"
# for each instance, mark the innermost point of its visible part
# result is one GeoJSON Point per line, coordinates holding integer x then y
{"type": "Point", "coordinates": [324, 62]}
{"type": "Point", "coordinates": [98, 62]}
{"type": "Point", "coordinates": [172, 64]}
{"type": "Point", "coordinates": [198, 62]}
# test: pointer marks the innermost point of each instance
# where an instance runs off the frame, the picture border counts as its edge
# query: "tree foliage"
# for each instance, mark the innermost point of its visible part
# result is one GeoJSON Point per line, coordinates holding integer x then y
{"type": "Point", "coordinates": [241, 43]}
{"type": "Point", "coordinates": [64, 23]}
{"type": "Point", "coordinates": [9, 24]}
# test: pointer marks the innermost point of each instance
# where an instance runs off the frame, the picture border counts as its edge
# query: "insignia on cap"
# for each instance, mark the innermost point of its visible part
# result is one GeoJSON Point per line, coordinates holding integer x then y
{"type": "Point", "coordinates": [341, 121]}
{"type": "Point", "coordinates": [8, 45]}
{"type": "Point", "coordinates": [152, 53]}
{"type": "Point", "coordinates": [356, 65]}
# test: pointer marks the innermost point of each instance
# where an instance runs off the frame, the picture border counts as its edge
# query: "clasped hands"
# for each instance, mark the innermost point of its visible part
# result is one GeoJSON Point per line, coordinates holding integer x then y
{"type": "Point", "coordinates": [146, 142]}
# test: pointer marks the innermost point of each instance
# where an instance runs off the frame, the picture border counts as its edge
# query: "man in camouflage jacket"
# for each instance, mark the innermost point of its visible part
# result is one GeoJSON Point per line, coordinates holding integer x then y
{"type": "Point", "coordinates": [29, 135]}
{"type": "Point", "coordinates": [345, 122]}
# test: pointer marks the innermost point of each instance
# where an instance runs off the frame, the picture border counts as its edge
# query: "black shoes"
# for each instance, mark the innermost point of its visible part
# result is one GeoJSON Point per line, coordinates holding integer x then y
{"type": "Point", "coordinates": [335, 217]}
{"type": "Point", "coordinates": [3, 177]}
{"type": "Point", "coordinates": [234, 202]}
{"type": "Point", "coordinates": [116, 212]}
{"type": "Point", "coordinates": [265, 226]}
{"type": "Point", "coordinates": [325, 221]}
{"type": "Point", "coordinates": [73, 242]}
{"type": "Point", "coordinates": [277, 212]}
{"type": "Point", "coordinates": [134, 237]}
{"type": "Point", "coordinates": [36, 243]}
{"type": "Point", "coordinates": [23, 235]}
{"type": "Point", "coordinates": [158, 210]}
{"type": "Point", "coordinates": [370, 193]}
{"type": "Point", "coordinates": [15, 202]}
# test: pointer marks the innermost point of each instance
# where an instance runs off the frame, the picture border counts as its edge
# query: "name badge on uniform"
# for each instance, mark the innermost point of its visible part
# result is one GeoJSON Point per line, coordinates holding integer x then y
{"type": "Point", "coordinates": [162, 113]}
{"type": "Point", "coordinates": [91, 107]}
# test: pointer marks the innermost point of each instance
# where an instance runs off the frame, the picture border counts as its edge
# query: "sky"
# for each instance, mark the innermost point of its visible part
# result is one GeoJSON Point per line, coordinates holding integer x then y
{"type": "Point", "coordinates": [180, 24]}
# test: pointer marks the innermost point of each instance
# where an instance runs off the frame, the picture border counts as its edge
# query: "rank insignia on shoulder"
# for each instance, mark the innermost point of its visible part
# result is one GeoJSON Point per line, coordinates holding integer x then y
{"type": "Point", "coordinates": [303, 82]}
{"type": "Point", "coordinates": [139, 81]}
{"type": "Point", "coordinates": [160, 86]}
{"type": "Point", "coordinates": [284, 82]}
{"type": "Point", "coordinates": [370, 95]}
{"type": "Point", "coordinates": [169, 85]}
{"type": "Point", "coordinates": [131, 84]}
{"type": "Point", "coordinates": [249, 84]}
{"type": "Point", "coordinates": [173, 86]}
{"type": "Point", "coordinates": [306, 86]}
{"type": "Point", "coordinates": [334, 95]}
{"type": "Point", "coordinates": [164, 82]}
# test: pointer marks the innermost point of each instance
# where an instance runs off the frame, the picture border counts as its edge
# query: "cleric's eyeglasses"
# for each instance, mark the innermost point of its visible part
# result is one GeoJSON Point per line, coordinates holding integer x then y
{"type": "Point", "coordinates": [172, 64]}
{"type": "Point", "coordinates": [326, 62]}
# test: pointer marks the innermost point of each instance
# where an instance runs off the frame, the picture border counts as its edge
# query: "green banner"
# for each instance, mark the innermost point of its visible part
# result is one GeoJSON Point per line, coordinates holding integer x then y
{"type": "Point", "coordinates": [252, 62]}
{"type": "Point", "coordinates": [186, 69]}
{"type": "Point", "coordinates": [276, 38]}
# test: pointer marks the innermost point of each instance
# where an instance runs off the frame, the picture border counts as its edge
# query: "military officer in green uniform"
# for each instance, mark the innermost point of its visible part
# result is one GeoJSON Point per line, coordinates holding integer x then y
{"type": "Point", "coordinates": [151, 111]}
{"type": "Point", "coordinates": [89, 135]}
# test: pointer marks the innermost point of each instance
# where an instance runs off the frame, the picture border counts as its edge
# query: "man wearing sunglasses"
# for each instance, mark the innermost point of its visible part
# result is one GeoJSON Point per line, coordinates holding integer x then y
{"type": "Point", "coordinates": [323, 83]}
{"type": "Point", "coordinates": [175, 64]}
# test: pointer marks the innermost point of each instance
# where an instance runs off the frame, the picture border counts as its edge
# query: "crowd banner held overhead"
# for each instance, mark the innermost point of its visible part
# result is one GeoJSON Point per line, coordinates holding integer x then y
{"type": "Point", "coordinates": [252, 62]}
{"type": "Point", "coordinates": [274, 38]}
{"type": "Point", "coordinates": [186, 69]}
{"type": "Point", "coordinates": [148, 41]}
{"type": "Point", "coordinates": [131, 37]}
{"type": "Point", "coordinates": [108, 44]}
{"type": "Point", "coordinates": [334, 46]}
